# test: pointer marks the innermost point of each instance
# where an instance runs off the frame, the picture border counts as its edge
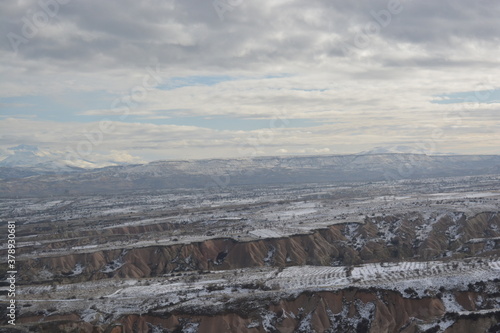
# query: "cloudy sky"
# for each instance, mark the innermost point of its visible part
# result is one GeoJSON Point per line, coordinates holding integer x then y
{"type": "Point", "coordinates": [170, 79]}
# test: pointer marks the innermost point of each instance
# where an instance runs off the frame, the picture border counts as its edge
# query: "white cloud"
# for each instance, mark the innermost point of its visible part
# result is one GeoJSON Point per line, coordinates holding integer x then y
{"type": "Point", "coordinates": [137, 142]}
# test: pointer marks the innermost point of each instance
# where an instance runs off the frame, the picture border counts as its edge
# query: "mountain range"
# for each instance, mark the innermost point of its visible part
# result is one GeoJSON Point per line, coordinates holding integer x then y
{"type": "Point", "coordinates": [224, 173]}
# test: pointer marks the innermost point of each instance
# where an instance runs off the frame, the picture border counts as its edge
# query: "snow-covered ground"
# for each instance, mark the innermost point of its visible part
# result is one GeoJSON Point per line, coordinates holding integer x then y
{"type": "Point", "coordinates": [411, 279]}
{"type": "Point", "coordinates": [246, 213]}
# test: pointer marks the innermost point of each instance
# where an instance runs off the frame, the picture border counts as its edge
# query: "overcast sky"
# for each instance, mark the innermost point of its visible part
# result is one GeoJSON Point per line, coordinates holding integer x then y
{"type": "Point", "coordinates": [171, 79]}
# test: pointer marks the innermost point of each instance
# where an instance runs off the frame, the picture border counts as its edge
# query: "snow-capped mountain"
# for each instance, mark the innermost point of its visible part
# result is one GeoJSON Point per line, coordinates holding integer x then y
{"type": "Point", "coordinates": [27, 160]}
{"type": "Point", "coordinates": [31, 156]}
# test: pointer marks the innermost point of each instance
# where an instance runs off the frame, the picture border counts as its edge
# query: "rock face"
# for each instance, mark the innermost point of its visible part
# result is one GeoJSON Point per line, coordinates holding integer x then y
{"type": "Point", "coordinates": [349, 310]}
{"type": "Point", "coordinates": [379, 239]}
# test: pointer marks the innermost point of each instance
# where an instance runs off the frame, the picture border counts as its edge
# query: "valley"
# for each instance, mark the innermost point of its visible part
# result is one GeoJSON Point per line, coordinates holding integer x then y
{"type": "Point", "coordinates": [409, 255]}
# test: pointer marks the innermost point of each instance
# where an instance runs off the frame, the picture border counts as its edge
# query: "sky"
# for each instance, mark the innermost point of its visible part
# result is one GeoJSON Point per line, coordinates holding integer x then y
{"type": "Point", "coordinates": [137, 81]}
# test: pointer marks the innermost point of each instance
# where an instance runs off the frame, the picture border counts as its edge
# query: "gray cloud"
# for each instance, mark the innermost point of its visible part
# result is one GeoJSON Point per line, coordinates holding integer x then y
{"type": "Point", "coordinates": [339, 69]}
{"type": "Point", "coordinates": [189, 34]}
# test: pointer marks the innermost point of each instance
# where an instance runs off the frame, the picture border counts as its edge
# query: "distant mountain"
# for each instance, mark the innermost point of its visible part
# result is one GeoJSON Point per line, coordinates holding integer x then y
{"type": "Point", "coordinates": [27, 156]}
{"type": "Point", "coordinates": [392, 150]}
{"type": "Point", "coordinates": [400, 149]}
{"type": "Point", "coordinates": [28, 160]}
{"type": "Point", "coordinates": [224, 173]}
